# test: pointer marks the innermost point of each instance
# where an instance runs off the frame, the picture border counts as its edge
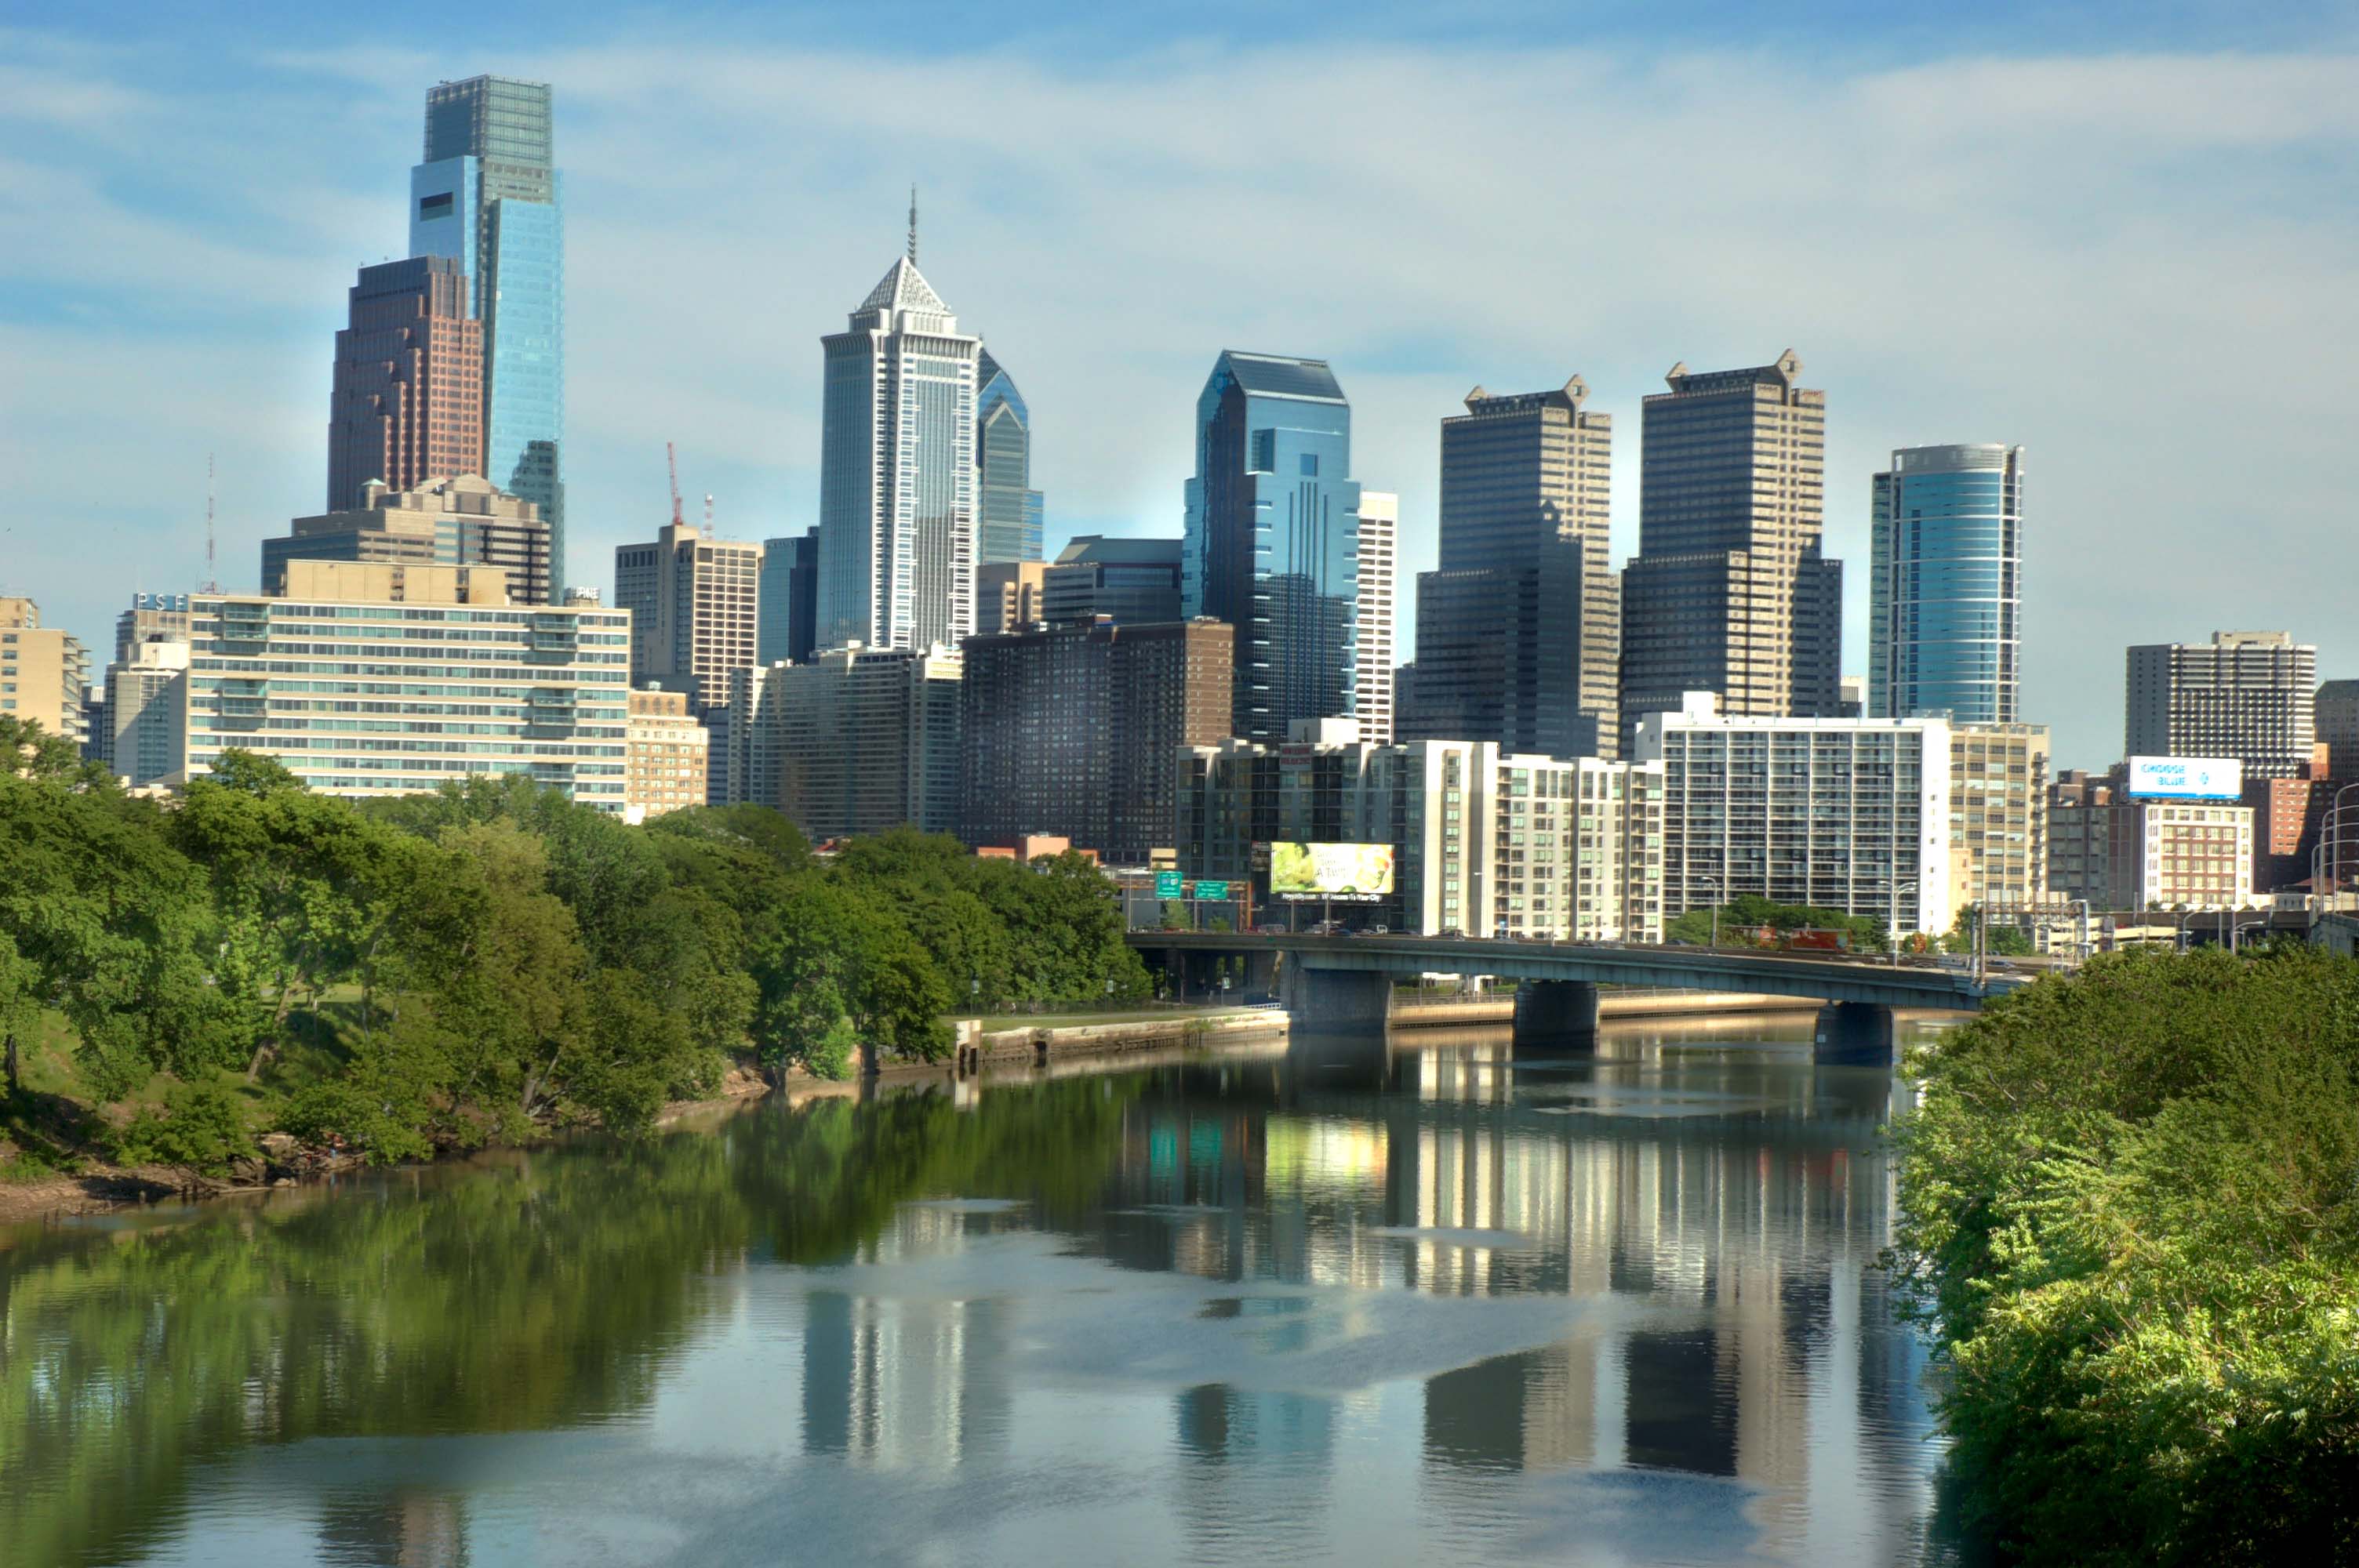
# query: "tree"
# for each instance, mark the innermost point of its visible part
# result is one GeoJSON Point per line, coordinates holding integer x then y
{"type": "Point", "coordinates": [2002, 940]}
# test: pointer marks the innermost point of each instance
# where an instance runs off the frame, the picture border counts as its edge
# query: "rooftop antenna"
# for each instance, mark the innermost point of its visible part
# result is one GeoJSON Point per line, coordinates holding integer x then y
{"type": "Point", "coordinates": [913, 225]}
{"type": "Point", "coordinates": [212, 584]}
{"type": "Point", "coordinates": [671, 462]}
{"type": "Point", "coordinates": [708, 512]}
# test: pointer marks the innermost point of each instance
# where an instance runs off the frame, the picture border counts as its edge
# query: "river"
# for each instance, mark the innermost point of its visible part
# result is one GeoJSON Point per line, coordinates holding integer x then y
{"type": "Point", "coordinates": [1332, 1303]}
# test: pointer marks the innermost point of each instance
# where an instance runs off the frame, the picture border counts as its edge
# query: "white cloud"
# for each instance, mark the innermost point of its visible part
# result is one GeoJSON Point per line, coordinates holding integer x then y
{"type": "Point", "coordinates": [2141, 267]}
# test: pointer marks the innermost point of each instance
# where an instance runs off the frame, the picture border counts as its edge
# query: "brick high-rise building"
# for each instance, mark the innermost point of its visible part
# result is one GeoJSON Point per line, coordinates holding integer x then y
{"type": "Point", "coordinates": [1728, 593]}
{"type": "Point", "coordinates": [1075, 730]}
{"type": "Point", "coordinates": [405, 406]}
{"type": "Point", "coordinates": [2247, 695]}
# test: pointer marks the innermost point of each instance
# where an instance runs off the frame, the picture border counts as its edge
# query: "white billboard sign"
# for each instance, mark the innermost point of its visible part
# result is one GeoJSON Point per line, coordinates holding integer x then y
{"type": "Point", "coordinates": [2186, 778]}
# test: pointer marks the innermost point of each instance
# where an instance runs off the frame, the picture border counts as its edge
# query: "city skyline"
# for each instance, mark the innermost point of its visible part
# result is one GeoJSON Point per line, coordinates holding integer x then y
{"type": "Point", "coordinates": [1114, 398]}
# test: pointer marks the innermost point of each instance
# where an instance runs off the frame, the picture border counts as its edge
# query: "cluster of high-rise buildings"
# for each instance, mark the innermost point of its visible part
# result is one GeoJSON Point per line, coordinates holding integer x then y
{"type": "Point", "coordinates": [1576, 750]}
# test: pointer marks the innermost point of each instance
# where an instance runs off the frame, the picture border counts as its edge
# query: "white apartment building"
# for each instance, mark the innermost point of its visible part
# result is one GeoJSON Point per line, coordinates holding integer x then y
{"type": "Point", "coordinates": [1371, 656]}
{"type": "Point", "coordinates": [1852, 815]}
{"type": "Point", "coordinates": [370, 679]}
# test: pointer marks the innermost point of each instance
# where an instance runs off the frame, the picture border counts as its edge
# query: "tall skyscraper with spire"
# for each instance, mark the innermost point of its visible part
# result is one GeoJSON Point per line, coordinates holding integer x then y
{"type": "Point", "coordinates": [897, 503]}
{"type": "Point", "coordinates": [1007, 508]}
{"type": "Point", "coordinates": [488, 194]}
{"type": "Point", "coordinates": [1273, 534]}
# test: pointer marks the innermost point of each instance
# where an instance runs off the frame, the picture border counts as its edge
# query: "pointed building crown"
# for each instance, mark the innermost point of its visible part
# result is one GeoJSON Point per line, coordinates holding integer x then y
{"type": "Point", "coordinates": [904, 288]}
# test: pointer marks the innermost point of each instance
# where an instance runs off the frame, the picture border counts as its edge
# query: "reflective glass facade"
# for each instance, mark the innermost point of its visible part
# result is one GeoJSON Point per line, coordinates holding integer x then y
{"type": "Point", "coordinates": [1945, 602]}
{"type": "Point", "coordinates": [1008, 511]}
{"type": "Point", "coordinates": [488, 193]}
{"type": "Point", "coordinates": [1272, 536]}
{"type": "Point", "coordinates": [898, 472]}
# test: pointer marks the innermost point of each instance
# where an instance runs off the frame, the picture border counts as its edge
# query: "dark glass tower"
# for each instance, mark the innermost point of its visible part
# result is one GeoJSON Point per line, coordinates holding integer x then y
{"type": "Point", "coordinates": [1007, 510]}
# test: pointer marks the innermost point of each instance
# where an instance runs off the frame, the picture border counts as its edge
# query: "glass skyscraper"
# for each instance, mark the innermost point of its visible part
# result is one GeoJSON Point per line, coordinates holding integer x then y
{"type": "Point", "coordinates": [1272, 539]}
{"type": "Point", "coordinates": [1007, 508]}
{"type": "Point", "coordinates": [896, 527]}
{"type": "Point", "coordinates": [488, 193]}
{"type": "Point", "coordinates": [1945, 602]}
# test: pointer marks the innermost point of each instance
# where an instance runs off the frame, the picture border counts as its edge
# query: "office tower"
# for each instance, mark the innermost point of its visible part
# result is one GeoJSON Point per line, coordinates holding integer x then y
{"type": "Point", "coordinates": [1134, 581]}
{"type": "Point", "coordinates": [790, 600]}
{"type": "Point", "coordinates": [1075, 728]}
{"type": "Point", "coordinates": [1483, 842]}
{"type": "Point", "coordinates": [859, 740]}
{"type": "Point", "coordinates": [1728, 593]}
{"type": "Point", "coordinates": [541, 690]}
{"type": "Point", "coordinates": [145, 693]}
{"type": "Point", "coordinates": [153, 617]}
{"type": "Point", "coordinates": [405, 405]}
{"type": "Point", "coordinates": [488, 196]}
{"type": "Point", "coordinates": [1007, 509]}
{"type": "Point", "coordinates": [1372, 647]}
{"type": "Point", "coordinates": [460, 522]}
{"type": "Point", "coordinates": [43, 671]}
{"type": "Point", "coordinates": [2246, 695]}
{"type": "Point", "coordinates": [1519, 628]}
{"type": "Point", "coordinates": [1010, 595]}
{"type": "Point", "coordinates": [896, 526]}
{"type": "Point", "coordinates": [1998, 813]}
{"type": "Point", "coordinates": [665, 753]}
{"type": "Point", "coordinates": [1272, 518]}
{"type": "Point", "coordinates": [2335, 726]}
{"type": "Point", "coordinates": [1945, 589]}
{"type": "Point", "coordinates": [695, 610]}
{"type": "Point", "coordinates": [1850, 814]}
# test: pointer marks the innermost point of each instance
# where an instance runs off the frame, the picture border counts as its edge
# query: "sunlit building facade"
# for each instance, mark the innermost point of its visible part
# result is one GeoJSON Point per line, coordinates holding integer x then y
{"type": "Point", "coordinates": [1945, 589]}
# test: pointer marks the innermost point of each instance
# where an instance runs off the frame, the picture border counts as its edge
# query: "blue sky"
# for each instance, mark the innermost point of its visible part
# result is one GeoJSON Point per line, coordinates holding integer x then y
{"type": "Point", "coordinates": [2122, 236]}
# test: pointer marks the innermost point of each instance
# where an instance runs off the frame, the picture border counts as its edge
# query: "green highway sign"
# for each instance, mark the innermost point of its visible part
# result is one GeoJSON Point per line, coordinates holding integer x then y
{"type": "Point", "coordinates": [1167, 884]}
{"type": "Point", "coordinates": [1212, 890]}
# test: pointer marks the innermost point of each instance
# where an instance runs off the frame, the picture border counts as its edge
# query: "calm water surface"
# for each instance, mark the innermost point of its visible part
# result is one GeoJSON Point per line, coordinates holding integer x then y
{"type": "Point", "coordinates": [1330, 1303]}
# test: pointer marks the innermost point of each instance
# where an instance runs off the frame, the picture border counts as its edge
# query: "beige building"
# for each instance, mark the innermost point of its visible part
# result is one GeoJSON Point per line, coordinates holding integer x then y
{"type": "Point", "coordinates": [42, 671]}
{"type": "Point", "coordinates": [1729, 592]}
{"type": "Point", "coordinates": [1010, 595]}
{"type": "Point", "coordinates": [145, 695]}
{"type": "Point", "coordinates": [1998, 813]}
{"type": "Point", "coordinates": [665, 752]}
{"type": "Point", "coordinates": [695, 610]}
{"type": "Point", "coordinates": [372, 678]}
{"type": "Point", "coordinates": [460, 522]}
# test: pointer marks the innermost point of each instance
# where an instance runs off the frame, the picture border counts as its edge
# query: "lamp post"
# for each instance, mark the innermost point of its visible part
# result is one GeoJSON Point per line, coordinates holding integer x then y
{"type": "Point", "coordinates": [1892, 928]}
{"type": "Point", "coordinates": [2237, 927]}
{"type": "Point", "coordinates": [2083, 905]}
{"type": "Point", "coordinates": [2329, 844]}
{"type": "Point", "coordinates": [1713, 883]}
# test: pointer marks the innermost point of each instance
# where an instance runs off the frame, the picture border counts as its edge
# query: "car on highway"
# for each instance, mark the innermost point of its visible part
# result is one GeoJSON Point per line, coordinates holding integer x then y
{"type": "Point", "coordinates": [1451, 931]}
{"type": "Point", "coordinates": [1377, 931]}
{"type": "Point", "coordinates": [1269, 928]}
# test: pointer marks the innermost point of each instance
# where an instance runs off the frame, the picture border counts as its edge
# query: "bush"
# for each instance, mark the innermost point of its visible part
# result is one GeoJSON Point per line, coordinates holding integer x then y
{"type": "Point", "coordinates": [2129, 1216]}
{"type": "Point", "coordinates": [200, 1128]}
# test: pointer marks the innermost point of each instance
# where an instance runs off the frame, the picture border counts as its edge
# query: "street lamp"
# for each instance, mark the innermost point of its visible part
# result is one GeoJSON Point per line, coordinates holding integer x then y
{"type": "Point", "coordinates": [2237, 927]}
{"type": "Point", "coordinates": [1893, 930]}
{"type": "Point", "coordinates": [1713, 883]}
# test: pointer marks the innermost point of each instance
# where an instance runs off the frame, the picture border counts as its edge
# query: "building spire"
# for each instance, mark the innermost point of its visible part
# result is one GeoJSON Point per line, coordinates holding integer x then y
{"type": "Point", "coordinates": [913, 225]}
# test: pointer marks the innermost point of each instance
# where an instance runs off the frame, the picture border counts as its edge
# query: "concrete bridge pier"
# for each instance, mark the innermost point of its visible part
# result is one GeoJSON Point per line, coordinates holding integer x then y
{"type": "Point", "coordinates": [1332, 1000]}
{"type": "Point", "coordinates": [1853, 1032]}
{"type": "Point", "coordinates": [1556, 1015]}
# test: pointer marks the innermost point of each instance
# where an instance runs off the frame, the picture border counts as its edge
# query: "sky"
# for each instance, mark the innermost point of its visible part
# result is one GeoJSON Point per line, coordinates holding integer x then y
{"type": "Point", "coordinates": [2122, 236]}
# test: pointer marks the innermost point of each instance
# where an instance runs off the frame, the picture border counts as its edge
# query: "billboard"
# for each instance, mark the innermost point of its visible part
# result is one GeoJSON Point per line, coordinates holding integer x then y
{"type": "Point", "coordinates": [1344, 872]}
{"type": "Point", "coordinates": [2186, 778]}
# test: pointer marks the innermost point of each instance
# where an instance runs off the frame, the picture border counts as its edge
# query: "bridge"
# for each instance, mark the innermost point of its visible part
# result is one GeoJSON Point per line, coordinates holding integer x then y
{"type": "Point", "coordinates": [1346, 983]}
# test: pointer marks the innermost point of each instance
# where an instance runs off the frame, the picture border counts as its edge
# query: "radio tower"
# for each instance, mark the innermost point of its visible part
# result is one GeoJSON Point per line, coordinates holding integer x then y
{"type": "Point", "coordinates": [671, 463]}
{"type": "Point", "coordinates": [212, 584]}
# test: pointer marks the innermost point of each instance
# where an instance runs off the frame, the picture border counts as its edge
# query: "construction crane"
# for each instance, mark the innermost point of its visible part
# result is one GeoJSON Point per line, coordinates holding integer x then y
{"type": "Point", "coordinates": [671, 461]}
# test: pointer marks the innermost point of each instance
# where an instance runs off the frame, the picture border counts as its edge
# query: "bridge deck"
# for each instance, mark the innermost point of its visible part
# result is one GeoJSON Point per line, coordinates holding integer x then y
{"type": "Point", "coordinates": [1831, 978]}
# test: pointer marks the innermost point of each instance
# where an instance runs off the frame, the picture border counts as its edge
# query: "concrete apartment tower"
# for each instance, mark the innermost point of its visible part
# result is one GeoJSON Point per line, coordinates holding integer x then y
{"type": "Point", "coordinates": [1008, 511]}
{"type": "Point", "coordinates": [1945, 590]}
{"type": "Point", "coordinates": [1371, 651]}
{"type": "Point", "coordinates": [1519, 629]}
{"type": "Point", "coordinates": [897, 490]}
{"type": "Point", "coordinates": [1728, 593]}
{"type": "Point", "coordinates": [1272, 536]}
{"type": "Point", "coordinates": [695, 607]}
{"type": "Point", "coordinates": [43, 672]}
{"type": "Point", "coordinates": [406, 404]}
{"type": "Point", "coordinates": [487, 195]}
{"type": "Point", "coordinates": [2249, 695]}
